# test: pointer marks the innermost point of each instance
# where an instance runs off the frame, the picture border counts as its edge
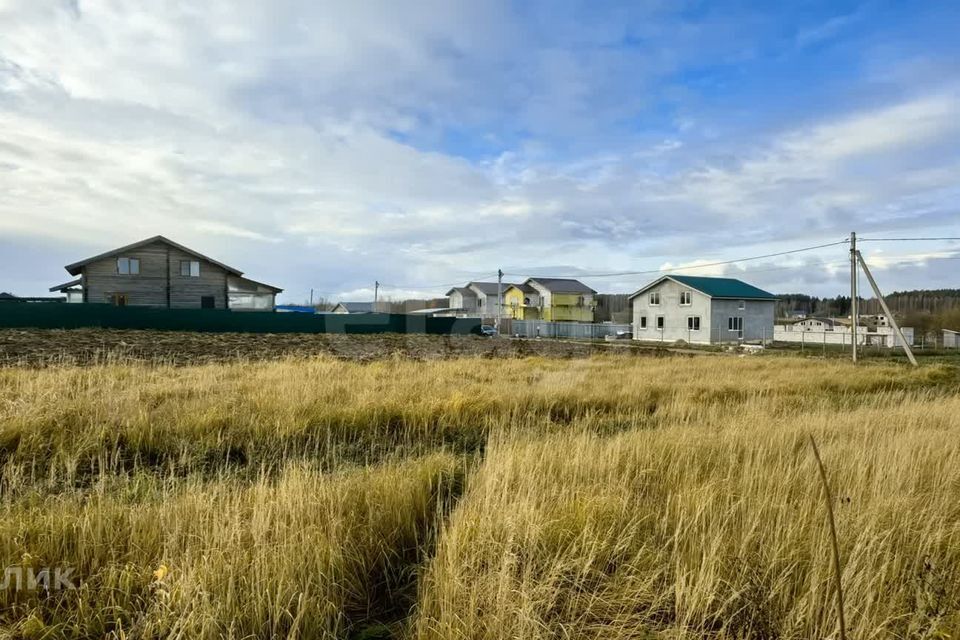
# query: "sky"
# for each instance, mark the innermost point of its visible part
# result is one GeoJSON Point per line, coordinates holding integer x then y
{"type": "Point", "coordinates": [327, 145]}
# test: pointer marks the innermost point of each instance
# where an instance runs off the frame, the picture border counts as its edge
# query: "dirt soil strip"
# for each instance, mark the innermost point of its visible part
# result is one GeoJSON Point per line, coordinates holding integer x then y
{"type": "Point", "coordinates": [44, 347]}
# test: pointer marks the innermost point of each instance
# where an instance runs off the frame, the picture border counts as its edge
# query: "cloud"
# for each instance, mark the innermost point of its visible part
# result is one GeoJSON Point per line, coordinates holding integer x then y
{"type": "Point", "coordinates": [331, 146]}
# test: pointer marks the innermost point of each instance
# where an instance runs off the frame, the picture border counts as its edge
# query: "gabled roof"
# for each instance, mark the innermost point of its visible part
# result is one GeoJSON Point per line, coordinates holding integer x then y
{"type": "Point", "coordinates": [489, 288]}
{"type": "Point", "coordinates": [356, 307]}
{"type": "Point", "coordinates": [462, 291]}
{"type": "Point", "coordinates": [523, 288]}
{"type": "Point", "coordinates": [7, 296]}
{"type": "Point", "coordinates": [76, 268]}
{"type": "Point", "coordinates": [67, 285]}
{"type": "Point", "coordinates": [723, 288]}
{"type": "Point", "coordinates": [561, 285]}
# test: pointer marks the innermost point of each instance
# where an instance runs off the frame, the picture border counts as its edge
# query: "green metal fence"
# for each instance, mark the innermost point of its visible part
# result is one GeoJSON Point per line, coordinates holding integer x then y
{"type": "Point", "coordinates": [78, 316]}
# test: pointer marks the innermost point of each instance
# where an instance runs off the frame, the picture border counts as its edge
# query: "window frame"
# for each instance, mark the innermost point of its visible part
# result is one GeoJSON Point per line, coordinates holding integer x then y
{"type": "Point", "coordinates": [688, 294]}
{"type": "Point", "coordinates": [643, 323]}
{"type": "Point", "coordinates": [654, 295]}
{"type": "Point", "coordinates": [691, 321]}
{"type": "Point", "coordinates": [130, 263]}
{"type": "Point", "coordinates": [741, 305]}
{"type": "Point", "coordinates": [189, 264]}
{"type": "Point", "coordinates": [735, 325]}
{"type": "Point", "coordinates": [661, 323]}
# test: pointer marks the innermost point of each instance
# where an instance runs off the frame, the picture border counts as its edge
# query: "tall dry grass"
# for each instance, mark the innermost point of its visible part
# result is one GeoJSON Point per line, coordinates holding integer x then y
{"type": "Point", "coordinates": [613, 497]}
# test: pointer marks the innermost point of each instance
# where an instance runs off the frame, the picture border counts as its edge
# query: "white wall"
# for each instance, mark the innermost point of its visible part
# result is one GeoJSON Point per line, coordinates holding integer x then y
{"type": "Point", "coordinates": [884, 336]}
{"type": "Point", "coordinates": [460, 301]}
{"type": "Point", "coordinates": [674, 314]}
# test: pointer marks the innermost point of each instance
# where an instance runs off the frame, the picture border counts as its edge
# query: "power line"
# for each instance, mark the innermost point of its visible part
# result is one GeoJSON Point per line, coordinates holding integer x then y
{"type": "Point", "coordinates": [433, 286]}
{"type": "Point", "coordinates": [902, 239]}
{"type": "Point", "coordinates": [698, 266]}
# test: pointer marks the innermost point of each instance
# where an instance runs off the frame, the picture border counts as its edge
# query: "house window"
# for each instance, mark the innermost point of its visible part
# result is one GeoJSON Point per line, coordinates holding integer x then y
{"type": "Point", "coordinates": [119, 299]}
{"type": "Point", "coordinates": [190, 268]}
{"type": "Point", "coordinates": [207, 302]}
{"type": "Point", "coordinates": [660, 323]}
{"type": "Point", "coordinates": [643, 322]}
{"type": "Point", "coordinates": [686, 298]}
{"type": "Point", "coordinates": [735, 323]}
{"type": "Point", "coordinates": [693, 323]}
{"type": "Point", "coordinates": [128, 266]}
{"type": "Point", "coordinates": [655, 299]}
{"type": "Point", "coordinates": [479, 303]}
{"type": "Point", "coordinates": [742, 305]}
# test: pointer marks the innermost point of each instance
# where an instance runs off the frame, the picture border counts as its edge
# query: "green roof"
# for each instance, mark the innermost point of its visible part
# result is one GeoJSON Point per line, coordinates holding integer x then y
{"type": "Point", "coordinates": [724, 287]}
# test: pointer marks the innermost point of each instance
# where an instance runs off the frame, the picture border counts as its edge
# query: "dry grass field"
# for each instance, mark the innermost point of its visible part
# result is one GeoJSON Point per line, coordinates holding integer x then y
{"type": "Point", "coordinates": [614, 497]}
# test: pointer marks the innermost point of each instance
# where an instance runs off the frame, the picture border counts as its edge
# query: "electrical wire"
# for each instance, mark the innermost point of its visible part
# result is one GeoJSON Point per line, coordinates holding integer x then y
{"type": "Point", "coordinates": [903, 239]}
{"type": "Point", "coordinates": [698, 266]}
{"type": "Point", "coordinates": [384, 285]}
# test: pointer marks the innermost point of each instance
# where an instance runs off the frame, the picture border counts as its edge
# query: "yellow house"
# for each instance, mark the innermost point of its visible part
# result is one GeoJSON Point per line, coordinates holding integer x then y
{"type": "Point", "coordinates": [521, 302]}
{"type": "Point", "coordinates": [563, 299]}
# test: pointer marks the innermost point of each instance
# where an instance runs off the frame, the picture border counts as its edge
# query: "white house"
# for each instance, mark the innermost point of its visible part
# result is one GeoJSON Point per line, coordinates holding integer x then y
{"type": "Point", "coordinates": [463, 300]}
{"type": "Point", "coordinates": [702, 310]}
{"type": "Point", "coordinates": [814, 324]}
{"type": "Point", "coordinates": [478, 298]}
{"type": "Point", "coordinates": [951, 339]}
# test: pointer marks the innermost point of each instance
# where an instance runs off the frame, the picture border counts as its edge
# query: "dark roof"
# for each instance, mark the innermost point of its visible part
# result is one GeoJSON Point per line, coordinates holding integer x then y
{"type": "Point", "coordinates": [729, 288]}
{"type": "Point", "coordinates": [7, 296]}
{"type": "Point", "coordinates": [562, 285]}
{"type": "Point", "coordinates": [462, 291]}
{"type": "Point", "coordinates": [67, 285]}
{"type": "Point", "coordinates": [525, 288]}
{"type": "Point", "coordinates": [357, 307]}
{"type": "Point", "coordinates": [489, 288]}
{"type": "Point", "coordinates": [75, 268]}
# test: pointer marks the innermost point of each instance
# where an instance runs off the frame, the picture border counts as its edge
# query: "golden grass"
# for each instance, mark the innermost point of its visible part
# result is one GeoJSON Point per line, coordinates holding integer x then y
{"type": "Point", "coordinates": [613, 497]}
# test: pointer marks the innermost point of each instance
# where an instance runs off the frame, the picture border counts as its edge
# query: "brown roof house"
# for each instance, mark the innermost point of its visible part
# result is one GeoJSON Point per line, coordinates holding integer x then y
{"type": "Point", "coordinates": [158, 272]}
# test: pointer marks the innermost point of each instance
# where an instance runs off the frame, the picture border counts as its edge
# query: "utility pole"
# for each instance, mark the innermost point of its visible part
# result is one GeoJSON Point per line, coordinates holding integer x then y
{"type": "Point", "coordinates": [854, 306]}
{"type": "Point", "coordinates": [311, 297]}
{"type": "Point", "coordinates": [376, 295]}
{"type": "Point", "coordinates": [499, 298]}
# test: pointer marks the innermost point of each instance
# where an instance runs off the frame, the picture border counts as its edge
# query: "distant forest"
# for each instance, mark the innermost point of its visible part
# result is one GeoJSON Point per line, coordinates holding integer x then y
{"type": "Point", "coordinates": [923, 309]}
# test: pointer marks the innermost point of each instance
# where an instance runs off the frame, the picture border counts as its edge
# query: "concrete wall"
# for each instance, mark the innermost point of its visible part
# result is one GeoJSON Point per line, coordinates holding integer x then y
{"type": "Point", "coordinates": [758, 317]}
{"type": "Point", "coordinates": [487, 304]}
{"type": "Point", "coordinates": [674, 314]}
{"type": "Point", "coordinates": [460, 301]}
{"type": "Point", "coordinates": [883, 336]}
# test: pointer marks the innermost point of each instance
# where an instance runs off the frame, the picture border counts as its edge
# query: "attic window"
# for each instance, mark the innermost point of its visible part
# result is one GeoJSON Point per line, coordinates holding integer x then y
{"type": "Point", "coordinates": [190, 268]}
{"type": "Point", "coordinates": [686, 298]}
{"type": "Point", "coordinates": [654, 298]}
{"type": "Point", "coordinates": [128, 266]}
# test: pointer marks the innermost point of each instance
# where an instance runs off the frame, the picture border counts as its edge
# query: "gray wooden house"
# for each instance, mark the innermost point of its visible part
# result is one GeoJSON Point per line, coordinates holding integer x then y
{"type": "Point", "coordinates": [158, 272]}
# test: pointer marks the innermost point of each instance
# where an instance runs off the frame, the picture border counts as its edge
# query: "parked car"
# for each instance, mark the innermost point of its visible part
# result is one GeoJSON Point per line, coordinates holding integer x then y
{"type": "Point", "coordinates": [487, 330]}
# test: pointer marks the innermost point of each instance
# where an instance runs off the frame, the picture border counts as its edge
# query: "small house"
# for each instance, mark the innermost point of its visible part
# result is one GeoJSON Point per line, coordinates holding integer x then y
{"type": "Point", "coordinates": [353, 307]}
